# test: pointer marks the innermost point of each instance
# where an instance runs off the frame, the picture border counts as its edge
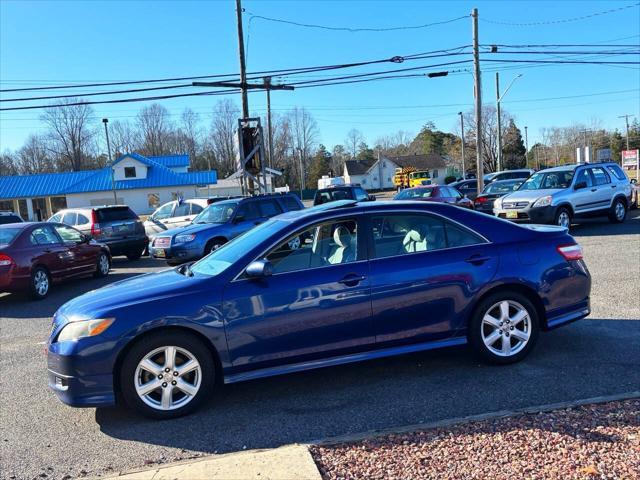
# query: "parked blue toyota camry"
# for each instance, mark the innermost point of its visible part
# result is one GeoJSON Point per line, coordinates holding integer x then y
{"type": "Point", "coordinates": [367, 281]}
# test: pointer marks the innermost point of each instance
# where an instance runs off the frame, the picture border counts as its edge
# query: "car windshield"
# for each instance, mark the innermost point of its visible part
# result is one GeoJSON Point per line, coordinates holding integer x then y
{"type": "Point", "coordinates": [410, 193]}
{"type": "Point", "coordinates": [216, 213]}
{"type": "Point", "coordinates": [221, 259]}
{"type": "Point", "coordinates": [502, 187]}
{"type": "Point", "coordinates": [331, 195]}
{"type": "Point", "coordinates": [7, 235]}
{"type": "Point", "coordinates": [548, 180]}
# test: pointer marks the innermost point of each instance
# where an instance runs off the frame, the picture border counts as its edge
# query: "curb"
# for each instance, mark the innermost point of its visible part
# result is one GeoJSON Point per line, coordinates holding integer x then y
{"type": "Point", "coordinates": [472, 418]}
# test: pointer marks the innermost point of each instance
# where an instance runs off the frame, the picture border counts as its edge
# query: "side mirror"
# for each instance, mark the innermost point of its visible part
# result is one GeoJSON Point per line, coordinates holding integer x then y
{"type": "Point", "coordinates": [580, 185]}
{"type": "Point", "coordinates": [259, 269]}
{"type": "Point", "coordinates": [634, 181]}
{"type": "Point", "coordinates": [85, 238]}
{"type": "Point", "coordinates": [238, 218]}
{"type": "Point", "coordinates": [372, 198]}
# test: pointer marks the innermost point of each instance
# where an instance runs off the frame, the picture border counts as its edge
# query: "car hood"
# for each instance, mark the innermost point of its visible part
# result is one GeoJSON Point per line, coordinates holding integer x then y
{"type": "Point", "coordinates": [191, 228]}
{"type": "Point", "coordinates": [528, 195]}
{"type": "Point", "coordinates": [146, 288]}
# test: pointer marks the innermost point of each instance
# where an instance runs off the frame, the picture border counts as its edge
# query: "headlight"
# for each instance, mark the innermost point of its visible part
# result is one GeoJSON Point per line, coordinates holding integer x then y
{"type": "Point", "coordinates": [543, 201]}
{"type": "Point", "coordinates": [497, 203]}
{"type": "Point", "coordinates": [84, 328]}
{"type": "Point", "coordinates": [185, 238]}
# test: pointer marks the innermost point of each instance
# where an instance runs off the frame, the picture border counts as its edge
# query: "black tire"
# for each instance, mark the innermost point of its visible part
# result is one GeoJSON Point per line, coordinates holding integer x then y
{"type": "Point", "coordinates": [560, 215]}
{"type": "Point", "coordinates": [478, 330]}
{"type": "Point", "coordinates": [616, 214]}
{"type": "Point", "coordinates": [213, 245]}
{"type": "Point", "coordinates": [134, 255]}
{"type": "Point", "coordinates": [151, 342]}
{"type": "Point", "coordinates": [36, 290]}
{"type": "Point", "coordinates": [100, 268]}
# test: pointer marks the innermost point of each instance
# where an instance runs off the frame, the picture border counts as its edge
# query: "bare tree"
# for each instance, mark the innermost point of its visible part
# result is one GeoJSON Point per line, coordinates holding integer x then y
{"type": "Point", "coordinates": [35, 156]}
{"type": "Point", "coordinates": [154, 128]}
{"type": "Point", "coordinates": [123, 137]}
{"type": "Point", "coordinates": [304, 133]}
{"type": "Point", "coordinates": [489, 136]}
{"type": "Point", "coordinates": [8, 163]}
{"type": "Point", "coordinates": [223, 135]}
{"type": "Point", "coordinates": [353, 139]}
{"type": "Point", "coordinates": [71, 133]}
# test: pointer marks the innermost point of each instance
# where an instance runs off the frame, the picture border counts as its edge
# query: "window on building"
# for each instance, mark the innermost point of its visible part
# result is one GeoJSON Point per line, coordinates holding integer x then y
{"type": "Point", "coordinates": [153, 200]}
{"type": "Point", "coordinates": [58, 203]}
{"type": "Point", "coordinates": [6, 205]}
{"type": "Point", "coordinates": [435, 174]}
{"type": "Point", "coordinates": [22, 208]}
{"type": "Point", "coordinates": [129, 172]}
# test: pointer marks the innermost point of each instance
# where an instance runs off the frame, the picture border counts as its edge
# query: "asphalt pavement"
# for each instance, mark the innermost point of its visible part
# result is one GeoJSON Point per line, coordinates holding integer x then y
{"type": "Point", "coordinates": [42, 438]}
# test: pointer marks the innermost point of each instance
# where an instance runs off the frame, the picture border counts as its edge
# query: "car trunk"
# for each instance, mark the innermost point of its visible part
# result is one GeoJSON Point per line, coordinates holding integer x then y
{"type": "Point", "coordinates": [118, 223]}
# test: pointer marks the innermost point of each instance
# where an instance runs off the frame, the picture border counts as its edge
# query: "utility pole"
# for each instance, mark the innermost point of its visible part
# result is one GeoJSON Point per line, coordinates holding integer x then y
{"type": "Point", "coordinates": [478, 95]}
{"type": "Point", "coordinates": [113, 180]}
{"type": "Point", "coordinates": [243, 67]}
{"type": "Point", "coordinates": [499, 139]}
{"type": "Point", "coordinates": [626, 118]}
{"type": "Point", "coordinates": [526, 144]}
{"type": "Point", "coordinates": [464, 169]}
{"type": "Point", "coordinates": [267, 84]}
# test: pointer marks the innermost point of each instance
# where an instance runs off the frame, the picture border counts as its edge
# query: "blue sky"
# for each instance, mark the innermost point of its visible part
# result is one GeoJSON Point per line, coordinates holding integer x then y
{"type": "Point", "coordinates": [57, 42]}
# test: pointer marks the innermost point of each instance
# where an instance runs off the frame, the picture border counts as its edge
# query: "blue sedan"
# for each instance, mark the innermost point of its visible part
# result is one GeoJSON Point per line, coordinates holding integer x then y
{"type": "Point", "coordinates": [366, 281]}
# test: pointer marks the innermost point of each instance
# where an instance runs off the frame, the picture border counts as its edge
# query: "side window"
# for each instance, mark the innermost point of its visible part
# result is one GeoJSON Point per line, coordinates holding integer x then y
{"type": "Point", "coordinates": [164, 211]}
{"type": "Point", "coordinates": [269, 208]}
{"type": "Point", "coordinates": [601, 177]}
{"type": "Point", "coordinates": [290, 203]}
{"type": "Point", "coordinates": [44, 236]}
{"type": "Point", "coordinates": [331, 243]}
{"type": "Point", "coordinates": [617, 172]}
{"type": "Point", "coordinates": [583, 176]}
{"type": "Point", "coordinates": [56, 218]}
{"type": "Point", "coordinates": [404, 234]}
{"type": "Point", "coordinates": [361, 195]}
{"type": "Point", "coordinates": [248, 211]}
{"type": "Point", "coordinates": [195, 208]}
{"type": "Point", "coordinates": [460, 237]}
{"type": "Point", "coordinates": [182, 210]}
{"type": "Point", "coordinates": [68, 234]}
{"type": "Point", "coordinates": [69, 218]}
{"type": "Point", "coordinates": [82, 220]}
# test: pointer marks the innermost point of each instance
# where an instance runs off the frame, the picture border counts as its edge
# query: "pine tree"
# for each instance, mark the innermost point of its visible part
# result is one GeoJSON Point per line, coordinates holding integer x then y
{"type": "Point", "coordinates": [513, 149]}
{"type": "Point", "coordinates": [320, 165]}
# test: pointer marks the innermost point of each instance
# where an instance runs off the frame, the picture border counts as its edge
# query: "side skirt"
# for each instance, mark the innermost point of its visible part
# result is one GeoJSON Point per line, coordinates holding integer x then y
{"type": "Point", "coordinates": [331, 361]}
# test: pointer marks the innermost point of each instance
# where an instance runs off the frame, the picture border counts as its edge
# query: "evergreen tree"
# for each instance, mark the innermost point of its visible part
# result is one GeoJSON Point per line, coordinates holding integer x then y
{"type": "Point", "coordinates": [513, 149]}
{"type": "Point", "coordinates": [320, 165]}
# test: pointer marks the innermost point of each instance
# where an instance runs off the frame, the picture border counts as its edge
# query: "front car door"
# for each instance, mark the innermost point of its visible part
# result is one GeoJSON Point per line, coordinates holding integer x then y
{"type": "Point", "coordinates": [583, 198]}
{"type": "Point", "coordinates": [315, 304]}
{"type": "Point", "coordinates": [157, 222]}
{"type": "Point", "coordinates": [81, 256]}
{"type": "Point", "coordinates": [424, 270]}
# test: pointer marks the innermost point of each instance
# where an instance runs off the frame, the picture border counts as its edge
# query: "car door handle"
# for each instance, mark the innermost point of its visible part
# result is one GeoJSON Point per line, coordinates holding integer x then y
{"type": "Point", "coordinates": [613, 186]}
{"type": "Point", "coordinates": [352, 280]}
{"type": "Point", "coordinates": [594, 189]}
{"type": "Point", "coordinates": [477, 259]}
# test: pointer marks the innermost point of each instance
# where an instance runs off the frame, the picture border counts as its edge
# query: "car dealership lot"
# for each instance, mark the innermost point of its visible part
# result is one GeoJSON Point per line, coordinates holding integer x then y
{"type": "Point", "coordinates": [595, 356]}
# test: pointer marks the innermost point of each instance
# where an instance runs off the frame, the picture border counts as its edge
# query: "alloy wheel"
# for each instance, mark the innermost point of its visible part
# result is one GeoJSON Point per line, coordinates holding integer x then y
{"type": "Point", "coordinates": [620, 211]}
{"type": "Point", "coordinates": [564, 220]}
{"type": "Point", "coordinates": [506, 328]}
{"type": "Point", "coordinates": [103, 264]}
{"type": "Point", "coordinates": [41, 283]}
{"type": "Point", "coordinates": [168, 378]}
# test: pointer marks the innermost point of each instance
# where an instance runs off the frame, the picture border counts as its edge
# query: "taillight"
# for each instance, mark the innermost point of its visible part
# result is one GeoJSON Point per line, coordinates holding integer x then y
{"type": "Point", "coordinates": [6, 260]}
{"type": "Point", "coordinates": [482, 200]}
{"type": "Point", "coordinates": [95, 226]}
{"type": "Point", "coordinates": [570, 252]}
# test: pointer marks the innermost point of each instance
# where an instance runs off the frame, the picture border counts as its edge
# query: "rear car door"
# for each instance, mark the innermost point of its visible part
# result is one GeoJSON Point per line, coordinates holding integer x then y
{"type": "Point", "coordinates": [82, 256]}
{"type": "Point", "coordinates": [603, 191]}
{"type": "Point", "coordinates": [269, 208]}
{"type": "Point", "coordinates": [315, 304]}
{"type": "Point", "coordinates": [424, 270]}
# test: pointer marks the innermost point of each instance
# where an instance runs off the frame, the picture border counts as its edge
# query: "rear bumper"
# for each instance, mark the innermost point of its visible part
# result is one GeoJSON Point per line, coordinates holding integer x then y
{"type": "Point", "coordinates": [10, 282]}
{"type": "Point", "coordinates": [124, 246]}
{"type": "Point", "coordinates": [568, 315]}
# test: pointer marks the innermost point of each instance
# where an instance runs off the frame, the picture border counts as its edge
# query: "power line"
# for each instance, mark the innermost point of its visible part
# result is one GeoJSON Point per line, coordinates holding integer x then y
{"type": "Point", "coordinates": [586, 62]}
{"type": "Point", "coordinates": [353, 29]}
{"type": "Point", "coordinates": [565, 20]}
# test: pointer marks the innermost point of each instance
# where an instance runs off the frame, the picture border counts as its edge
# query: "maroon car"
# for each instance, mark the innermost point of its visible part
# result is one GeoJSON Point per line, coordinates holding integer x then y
{"type": "Point", "coordinates": [35, 255]}
{"type": "Point", "coordinates": [435, 193]}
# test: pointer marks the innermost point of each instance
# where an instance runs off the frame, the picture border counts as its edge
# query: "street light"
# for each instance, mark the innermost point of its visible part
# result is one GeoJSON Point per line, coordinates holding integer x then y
{"type": "Point", "coordinates": [113, 180]}
{"type": "Point", "coordinates": [498, 100]}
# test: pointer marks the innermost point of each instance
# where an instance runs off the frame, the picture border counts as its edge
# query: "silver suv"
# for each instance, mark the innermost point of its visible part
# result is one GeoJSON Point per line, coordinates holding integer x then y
{"type": "Point", "coordinates": [558, 195]}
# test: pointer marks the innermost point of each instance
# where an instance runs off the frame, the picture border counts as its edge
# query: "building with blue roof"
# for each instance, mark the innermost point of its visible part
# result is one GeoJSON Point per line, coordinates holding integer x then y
{"type": "Point", "coordinates": [139, 181]}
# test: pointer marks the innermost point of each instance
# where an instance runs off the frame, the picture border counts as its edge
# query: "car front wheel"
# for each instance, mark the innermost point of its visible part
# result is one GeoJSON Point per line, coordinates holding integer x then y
{"type": "Point", "coordinates": [504, 328]}
{"type": "Point", "coordinates": [167, 375]}
{"type": "Point", "coordinates": [563, 217]}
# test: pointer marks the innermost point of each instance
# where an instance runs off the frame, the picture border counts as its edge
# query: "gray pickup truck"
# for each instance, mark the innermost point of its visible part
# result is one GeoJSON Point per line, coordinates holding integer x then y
{"type": "Point", "coordinates": [559, 195]}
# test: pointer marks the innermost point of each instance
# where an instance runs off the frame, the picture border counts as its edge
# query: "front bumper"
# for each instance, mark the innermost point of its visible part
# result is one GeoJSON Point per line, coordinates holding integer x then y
{"type": "Point", "coordinates": [183, 252]}
{"type": "Point", "coordinates": [527, 214]}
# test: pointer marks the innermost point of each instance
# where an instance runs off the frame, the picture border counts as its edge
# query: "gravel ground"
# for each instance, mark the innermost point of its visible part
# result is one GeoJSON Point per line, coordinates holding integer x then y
{"type": "Point", "coordinates": [592, 441]}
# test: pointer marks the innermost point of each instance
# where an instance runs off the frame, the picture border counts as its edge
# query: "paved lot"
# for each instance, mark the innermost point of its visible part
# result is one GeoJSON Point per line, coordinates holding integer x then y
{"type": "Point", "coordinates": [41, 437]}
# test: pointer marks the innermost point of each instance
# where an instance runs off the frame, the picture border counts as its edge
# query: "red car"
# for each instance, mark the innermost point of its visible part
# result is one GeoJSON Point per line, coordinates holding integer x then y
{"type": "Point", "coordinates": [35, 255]}
{"type": "Point", "coordinates": [435, 193]}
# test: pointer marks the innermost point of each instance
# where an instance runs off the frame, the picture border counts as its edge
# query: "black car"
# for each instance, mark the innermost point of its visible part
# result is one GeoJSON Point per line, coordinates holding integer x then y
{"type": "Point", "coordinates": [468, 188]}
{"type": "Point", "coordinates": [9, 217]}
{"type": "Point", "coordinates": [496, 189]}
{"type": "Point", "coordinates": [342, 192]}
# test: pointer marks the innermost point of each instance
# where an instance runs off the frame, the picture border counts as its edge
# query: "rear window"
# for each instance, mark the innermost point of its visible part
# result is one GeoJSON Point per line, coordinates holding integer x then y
{"type": "Point", "coordinates": [5, 219]}
{"type": "Point", "coordinates": [115, 214]}
{"type": "Point", "coordinates": [8, 234]}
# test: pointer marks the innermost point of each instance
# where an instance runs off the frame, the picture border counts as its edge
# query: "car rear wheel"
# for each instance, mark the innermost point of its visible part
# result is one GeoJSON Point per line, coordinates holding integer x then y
{"type": "Point", "coordinates": [102, 266]}
{"type": "Point", "coordinates": [563, 217]}
{"type": "Point", "coordinates": [167, 375]}
{"type": "Point", "coordinates": [504, 328]}
{"type": "Point", "coordinates": [618, 212]}
{"type": "Point", "coordinates": [40, 283]}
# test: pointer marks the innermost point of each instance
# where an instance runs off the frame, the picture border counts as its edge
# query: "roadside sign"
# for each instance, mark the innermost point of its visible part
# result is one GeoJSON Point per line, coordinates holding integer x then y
{"type": "Point", "coordinates": [603, 154]}
{"type": "Point", "coordinates": [630, 158]}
